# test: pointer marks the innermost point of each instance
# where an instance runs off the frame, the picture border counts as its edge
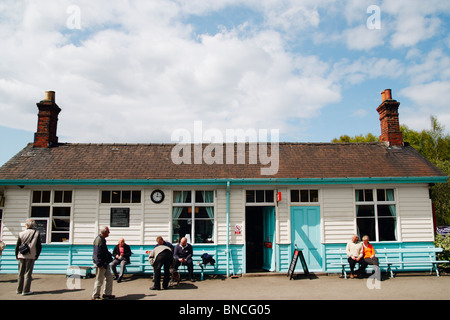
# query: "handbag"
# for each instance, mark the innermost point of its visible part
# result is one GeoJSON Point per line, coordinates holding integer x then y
{"type": "Point", "coordinates": [25, 248]}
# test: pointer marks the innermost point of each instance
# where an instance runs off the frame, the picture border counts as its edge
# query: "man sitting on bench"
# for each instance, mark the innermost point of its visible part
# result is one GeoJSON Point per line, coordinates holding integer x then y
{"type": "Point", "coordinates": [183, 255]}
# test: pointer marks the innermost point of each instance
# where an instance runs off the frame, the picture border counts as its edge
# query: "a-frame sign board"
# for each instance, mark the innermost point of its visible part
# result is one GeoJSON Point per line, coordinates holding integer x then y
{"type": "Point", "coordinates": [298, 254]}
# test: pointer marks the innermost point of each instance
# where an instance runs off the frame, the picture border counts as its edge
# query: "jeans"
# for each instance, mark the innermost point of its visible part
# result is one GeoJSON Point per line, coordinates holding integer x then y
{"type": "Point", "coordinates": [122, 263]}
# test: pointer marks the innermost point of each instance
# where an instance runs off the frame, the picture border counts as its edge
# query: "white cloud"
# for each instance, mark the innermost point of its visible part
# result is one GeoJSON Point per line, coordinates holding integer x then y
{"type": "Point", "coordinates": [135, 73]}
{"type": "Point", "coordinates": [362, 38]}
{"type": "Point", "coordinates": [414, 20]}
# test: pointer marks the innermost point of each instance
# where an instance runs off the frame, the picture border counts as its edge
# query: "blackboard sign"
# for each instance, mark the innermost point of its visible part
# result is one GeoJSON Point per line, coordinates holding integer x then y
{"type": "Point", "coordinates": [298, 254]}
{"type": "Point", "coordinates": [41, 226]}
{"type": "Point", "coordinates": [120, 217]}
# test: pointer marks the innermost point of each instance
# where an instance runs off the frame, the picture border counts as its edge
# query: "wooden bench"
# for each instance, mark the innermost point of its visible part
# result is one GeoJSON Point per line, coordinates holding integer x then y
{"type": "Point", "coordinates": [390, 258]}
{"type": "Point", "coordinates": [428, 257]}
{"type": "Point", "coordinates": [197, 260]}
{"type": "Point", "coordinates": [343, 263]}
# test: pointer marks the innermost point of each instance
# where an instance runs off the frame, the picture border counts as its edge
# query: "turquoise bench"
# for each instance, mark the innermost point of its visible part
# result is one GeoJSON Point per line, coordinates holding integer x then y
{"type": "Point", "coordinates": [390, 259]}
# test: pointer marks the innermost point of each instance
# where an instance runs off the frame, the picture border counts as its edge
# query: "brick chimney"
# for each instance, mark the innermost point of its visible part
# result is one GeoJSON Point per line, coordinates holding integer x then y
{"type": "Point", "coordinates": [390, 126]}
{"type": "Point", "coordinates": [45, 137]}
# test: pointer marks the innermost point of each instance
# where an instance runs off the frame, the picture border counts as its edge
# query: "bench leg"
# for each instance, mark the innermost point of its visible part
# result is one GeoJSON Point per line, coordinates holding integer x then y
{"type": "Point", "coordinates": [435, 267]}
{"type": "Point", "coordinates": [343, 272]}
{"type": "Point", "coordinates": [390, 271]}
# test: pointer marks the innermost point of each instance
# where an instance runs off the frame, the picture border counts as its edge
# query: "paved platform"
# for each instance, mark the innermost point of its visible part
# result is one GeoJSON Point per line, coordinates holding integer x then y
{"type": "Point", "coordinates": [408, 286]}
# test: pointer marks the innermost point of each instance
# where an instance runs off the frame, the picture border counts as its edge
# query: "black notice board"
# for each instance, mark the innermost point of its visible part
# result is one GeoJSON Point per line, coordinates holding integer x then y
{"type": "Point", "coordinates": [41, 226]}
{"type": "Point", "coordinates": [298, 254]}
{"type": "Point", "coordinates": [120, 217]}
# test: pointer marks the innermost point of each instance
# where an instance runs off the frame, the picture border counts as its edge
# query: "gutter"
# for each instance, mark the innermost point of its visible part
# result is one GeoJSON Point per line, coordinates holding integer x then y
{"type": "Point", "coordinates": [237, 181]}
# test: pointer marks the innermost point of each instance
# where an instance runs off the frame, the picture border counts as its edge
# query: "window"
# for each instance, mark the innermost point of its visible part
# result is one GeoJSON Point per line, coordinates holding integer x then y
{"type": "Point", "coordinates": [259, 196]}
{"type": "Point", "coordinates": [119, 196]}
{"type": "Point", "coordinates": [193, 216]}
{"type": "Point", "coordinates": [305, 195]}
{"type": "Point", "coordinates": [41, 196]}
{"type": "Point", "coordinates": [52, 214]}
{"type": "Point", "coordinates": [376, 214]}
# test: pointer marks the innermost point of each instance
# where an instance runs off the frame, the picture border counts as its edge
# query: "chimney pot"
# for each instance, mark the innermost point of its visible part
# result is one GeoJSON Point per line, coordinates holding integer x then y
{"type": "Point", "coordinates": [386, 95]}
{"type": "Point", "coordinates": [49, 96]}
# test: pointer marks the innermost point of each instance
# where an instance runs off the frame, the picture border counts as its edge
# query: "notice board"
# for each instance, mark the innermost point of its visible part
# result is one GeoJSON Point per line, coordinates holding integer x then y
{"type": "Point", "coordinates": [120, 217]}
{"type": "Point", "coordinates": [298, 254]}
{"type": "Point", "coordinates": [41, 226]}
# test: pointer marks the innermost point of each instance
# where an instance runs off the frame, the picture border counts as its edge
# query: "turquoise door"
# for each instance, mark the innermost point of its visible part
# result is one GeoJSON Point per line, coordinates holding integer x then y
{"type": "Point", "coordinates": [268, 238]}
{"type": "Point", "coordinates": [305, 222]}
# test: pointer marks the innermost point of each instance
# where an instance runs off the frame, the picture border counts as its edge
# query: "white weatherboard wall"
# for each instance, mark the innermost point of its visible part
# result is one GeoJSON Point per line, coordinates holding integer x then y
{"type": "Point", "coordinates": [338, 214]}
{"type": "Point", "coordinates": [149, 220]}
{"type": "Point", "coordinates": [17, 207]}
{"type": "Point", "coordinates": [416, 218]}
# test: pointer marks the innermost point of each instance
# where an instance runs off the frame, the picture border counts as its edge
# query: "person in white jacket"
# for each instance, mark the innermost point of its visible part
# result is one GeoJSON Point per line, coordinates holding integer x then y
{"type": "Point", "coordinates": [355, 254]}
{"type": "Point", "coordinates": [31, 237]}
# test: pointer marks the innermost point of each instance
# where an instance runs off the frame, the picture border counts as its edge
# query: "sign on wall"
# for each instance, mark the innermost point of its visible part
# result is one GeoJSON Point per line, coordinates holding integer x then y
{"type": "Point", "coordinates": [41, 226]}
{"type": "Point", "coordinates": [120, 217]}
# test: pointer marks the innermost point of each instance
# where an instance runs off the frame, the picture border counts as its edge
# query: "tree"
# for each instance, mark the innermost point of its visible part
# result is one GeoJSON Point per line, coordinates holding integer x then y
{"type": "Point", "coordinates": [358, 139]}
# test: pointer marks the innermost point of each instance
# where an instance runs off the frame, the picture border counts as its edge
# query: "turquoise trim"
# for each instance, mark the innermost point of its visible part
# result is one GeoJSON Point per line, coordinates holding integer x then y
{"type": "Point", "coordinates": [55, 259]}
{"type": "Point", "coordinates": [267, 181]}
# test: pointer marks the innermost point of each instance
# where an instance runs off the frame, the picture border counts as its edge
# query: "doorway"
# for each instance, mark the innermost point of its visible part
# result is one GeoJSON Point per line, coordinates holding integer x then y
{"type": "Point", "coordinates": [259, 238]}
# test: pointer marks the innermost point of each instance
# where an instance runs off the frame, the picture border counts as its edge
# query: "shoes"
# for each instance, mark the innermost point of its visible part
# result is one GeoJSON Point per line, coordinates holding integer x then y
{"type": "Point", "coordinates": [96, 298]}
{"type": "Point", "coordinates": [155, 288]}
{"type": "Point", "coordinates": [27, 293]}
{"type": "Point", "coordinates": [192, 279]}
{"type": "Point", "coordinates": [119, 279]}
{"type": "Point", "coordinates": [108, 297]}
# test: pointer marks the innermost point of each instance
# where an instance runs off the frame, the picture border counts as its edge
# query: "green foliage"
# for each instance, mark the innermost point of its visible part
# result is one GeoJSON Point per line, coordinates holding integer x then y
{"type": "Point", "coordinates": [444, 243]}
{"type": "Point", "coordinates": [434, 144]}
{"type": "Point", "coordinates": [358, 139]}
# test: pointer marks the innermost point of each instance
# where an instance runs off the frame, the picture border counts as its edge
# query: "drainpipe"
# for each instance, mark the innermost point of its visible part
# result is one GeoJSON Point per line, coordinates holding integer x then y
{"type": "Point", "coordinates": [228, 229]}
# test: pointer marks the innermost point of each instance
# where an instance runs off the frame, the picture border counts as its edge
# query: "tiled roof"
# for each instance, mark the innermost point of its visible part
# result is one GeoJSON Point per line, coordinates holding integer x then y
{"type": "Point", "coordinates": [153, 161]}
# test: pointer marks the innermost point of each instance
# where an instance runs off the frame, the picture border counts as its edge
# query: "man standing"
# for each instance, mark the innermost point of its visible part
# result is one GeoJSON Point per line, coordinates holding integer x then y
{"type": "Point", "coordinates": [183, 255]}
{"type": "Point", "coordinates": [32, 238]}
{"type": "Point", "coordinates": [102, 258]}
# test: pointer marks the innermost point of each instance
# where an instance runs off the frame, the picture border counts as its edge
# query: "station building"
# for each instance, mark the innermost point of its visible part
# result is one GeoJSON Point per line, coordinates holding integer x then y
{"type": "Point", "coordinates": [320, 195]}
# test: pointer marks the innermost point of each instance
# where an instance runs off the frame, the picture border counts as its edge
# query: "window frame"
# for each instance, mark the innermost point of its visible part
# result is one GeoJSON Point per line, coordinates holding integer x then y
{"type": "Point", "coordinates": [300, 202]}
{"type": "Point", "coordinates": [192, 205]}
{"type": "Point", "coordinates": [375, 204]}
{"type": "Point", "coordinates": [121, 197]}
{"type": "Point", "coordinates": [52, 204]}
{"type": "Point", "coordinates": [259, 203]}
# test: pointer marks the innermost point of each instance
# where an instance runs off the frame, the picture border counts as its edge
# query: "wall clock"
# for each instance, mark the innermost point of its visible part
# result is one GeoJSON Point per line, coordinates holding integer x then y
{"type": "Point", "coordinates": [157, 196]}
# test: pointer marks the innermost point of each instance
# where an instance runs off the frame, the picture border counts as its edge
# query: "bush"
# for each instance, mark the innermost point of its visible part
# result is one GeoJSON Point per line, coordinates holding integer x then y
{"type": "Point", "coordinates": [444, 243]}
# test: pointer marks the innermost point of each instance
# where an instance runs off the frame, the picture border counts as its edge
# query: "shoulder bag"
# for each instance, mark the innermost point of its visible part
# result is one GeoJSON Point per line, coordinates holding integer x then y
{"type": "Point", "coordinates": [25, 248]}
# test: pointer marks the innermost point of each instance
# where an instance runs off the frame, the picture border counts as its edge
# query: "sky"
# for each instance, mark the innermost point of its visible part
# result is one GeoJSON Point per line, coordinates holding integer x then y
{"type": "Point", "coordinates": [135, 71]}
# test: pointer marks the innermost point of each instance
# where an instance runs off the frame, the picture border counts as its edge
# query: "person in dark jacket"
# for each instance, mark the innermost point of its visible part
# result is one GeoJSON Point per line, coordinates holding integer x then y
{"type": "Point", "coordinates": [121, 254]}
{"type": "Point", "coordinates": [102, 258]}
{"type": "Point", "coordinates": [183, 255]}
